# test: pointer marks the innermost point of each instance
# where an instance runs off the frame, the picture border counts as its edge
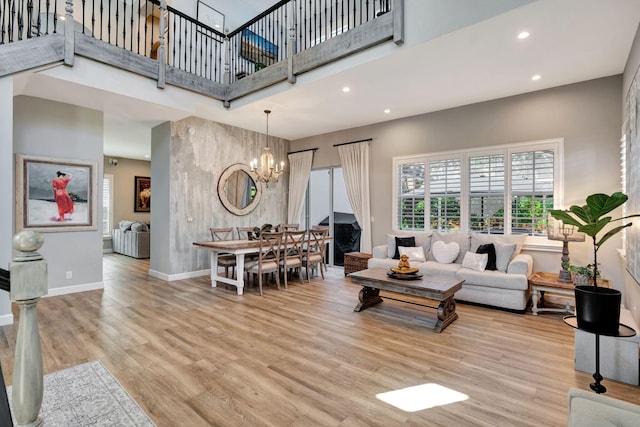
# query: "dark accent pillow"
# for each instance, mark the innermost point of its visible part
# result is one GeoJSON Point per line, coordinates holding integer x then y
{"type": "Point", "coordinates": [409, 242]}
{"type": "Point", "coordinates": [490, 250]}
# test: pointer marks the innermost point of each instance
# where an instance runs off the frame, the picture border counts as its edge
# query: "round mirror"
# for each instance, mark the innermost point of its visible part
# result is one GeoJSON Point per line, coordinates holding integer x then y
{"type": "Point", "coordinates": [237, 190]}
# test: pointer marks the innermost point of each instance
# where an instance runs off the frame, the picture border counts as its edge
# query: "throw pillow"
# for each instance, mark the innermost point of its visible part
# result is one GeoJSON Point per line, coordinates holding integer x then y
{"type": "Point", "coordinates": [139, 226]}
{"type": "Point", "coordinates": [490, 250]}
{"type": "Point", "coordinates": [475, 261]}
{"type": "Point", "coordinates": [403, 241]}
{"type": "Point", "coordinates": [125, 225]}
{"type": "Point", "coordinates": [415, 254]}
{"type": "Point", "coordinates": [462, 239]}
{"type": "Point", "coordinates": [504, 252]}
{"type": "Point", "coordinates": [445, 253]}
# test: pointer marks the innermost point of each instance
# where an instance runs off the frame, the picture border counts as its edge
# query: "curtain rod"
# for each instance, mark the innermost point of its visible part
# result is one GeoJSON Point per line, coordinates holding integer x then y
{"type": "Point", "coordinates": [353, 142]}
{"type": "Point", "coordinates": [302, 151]}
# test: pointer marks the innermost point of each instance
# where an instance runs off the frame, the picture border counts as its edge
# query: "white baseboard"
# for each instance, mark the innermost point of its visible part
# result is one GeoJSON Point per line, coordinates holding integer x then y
{"type": "Point", "coordinates": [179, 276]}
{"type": "Point", "coordinates": [6, 319]}
{"type": "Point", "coordinates": [73, 289]}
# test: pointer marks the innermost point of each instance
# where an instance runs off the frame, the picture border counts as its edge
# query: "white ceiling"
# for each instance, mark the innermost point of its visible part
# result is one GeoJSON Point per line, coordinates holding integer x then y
{"type": "Point", "coordinates": [571, 41]}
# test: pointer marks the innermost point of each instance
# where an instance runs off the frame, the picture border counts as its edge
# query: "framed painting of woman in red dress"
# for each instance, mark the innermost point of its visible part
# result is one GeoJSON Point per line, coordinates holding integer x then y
{"type": "Point", "coordinates": [142, 194]}
{"type": "Point", "coordinates": [55, 194]}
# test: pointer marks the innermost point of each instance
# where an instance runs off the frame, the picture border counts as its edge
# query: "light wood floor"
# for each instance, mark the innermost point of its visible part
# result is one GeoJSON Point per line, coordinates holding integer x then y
{"type": "Point", "coordinates": [192, 355]}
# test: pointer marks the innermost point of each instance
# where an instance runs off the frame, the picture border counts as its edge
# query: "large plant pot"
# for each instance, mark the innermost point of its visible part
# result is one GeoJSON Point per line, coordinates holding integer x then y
{"type": "Point", "coordinates": [598, 309]}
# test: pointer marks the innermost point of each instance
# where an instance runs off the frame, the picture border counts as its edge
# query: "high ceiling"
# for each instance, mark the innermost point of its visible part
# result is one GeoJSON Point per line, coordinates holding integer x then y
{"type": "Point", "coordinates": [570, 41]}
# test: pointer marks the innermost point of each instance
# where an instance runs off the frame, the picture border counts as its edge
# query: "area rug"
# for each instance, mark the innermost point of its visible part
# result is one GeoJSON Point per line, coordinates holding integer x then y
{"type": "Point", "coordinates": [88, 395]}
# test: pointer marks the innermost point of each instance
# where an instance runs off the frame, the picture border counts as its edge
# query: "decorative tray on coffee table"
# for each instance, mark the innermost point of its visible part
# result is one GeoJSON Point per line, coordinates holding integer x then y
{"type": "Point", "coordinates": [404, 274]}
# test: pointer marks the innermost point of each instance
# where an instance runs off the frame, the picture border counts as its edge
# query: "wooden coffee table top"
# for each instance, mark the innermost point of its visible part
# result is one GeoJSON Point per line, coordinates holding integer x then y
{"type": "Point", "coordinates": [436, 287]}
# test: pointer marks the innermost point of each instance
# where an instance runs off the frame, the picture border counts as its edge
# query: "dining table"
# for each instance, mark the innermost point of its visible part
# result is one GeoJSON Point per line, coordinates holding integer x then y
{"type": "Point", "coordinates": [239, 248]}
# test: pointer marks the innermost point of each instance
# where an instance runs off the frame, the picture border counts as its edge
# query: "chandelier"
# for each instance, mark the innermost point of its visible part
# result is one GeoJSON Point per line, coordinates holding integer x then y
{"type": "Point", "coordinates": [267, 171]}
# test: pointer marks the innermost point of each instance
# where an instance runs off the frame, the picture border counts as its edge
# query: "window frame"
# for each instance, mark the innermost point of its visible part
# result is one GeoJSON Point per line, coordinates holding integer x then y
{"type": "Point", "coordinates": [111, 179]}
{"type": "Point", "coordinates": [555, 144]}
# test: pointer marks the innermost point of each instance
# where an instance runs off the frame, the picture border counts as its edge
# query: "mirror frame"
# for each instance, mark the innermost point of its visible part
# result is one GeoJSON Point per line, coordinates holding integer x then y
{"type": "Point", "coordinates": [223, 196]}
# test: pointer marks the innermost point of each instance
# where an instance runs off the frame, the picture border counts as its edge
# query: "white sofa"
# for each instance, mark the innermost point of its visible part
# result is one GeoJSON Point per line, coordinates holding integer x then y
{"type": "Point", "coordinates": [507, 287]}
{"type": "Point", "coordinates": [588, 409]}
{"type": "Point", "coordinates": [132, 238]}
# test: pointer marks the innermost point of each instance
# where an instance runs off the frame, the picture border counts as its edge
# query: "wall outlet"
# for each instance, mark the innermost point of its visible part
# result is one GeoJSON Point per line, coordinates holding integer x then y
{"type": "Point", "coordinates": [69, 274]}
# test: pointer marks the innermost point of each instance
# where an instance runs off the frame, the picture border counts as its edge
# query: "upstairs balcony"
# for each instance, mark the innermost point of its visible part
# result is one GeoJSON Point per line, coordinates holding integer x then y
{"type": "Point", "coordinates": [152, 39]}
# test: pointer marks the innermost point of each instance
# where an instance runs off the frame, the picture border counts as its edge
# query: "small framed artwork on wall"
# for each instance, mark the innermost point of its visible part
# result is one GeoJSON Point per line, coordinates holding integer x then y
{"type": "Point", "coordinates": [142, 194]}
{"type": "Point", "coordinates": [55, 194]}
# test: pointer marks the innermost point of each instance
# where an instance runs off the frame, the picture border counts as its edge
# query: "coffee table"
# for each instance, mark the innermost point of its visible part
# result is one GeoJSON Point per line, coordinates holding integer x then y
{"type": "Point", "coordinates": [437, 288]}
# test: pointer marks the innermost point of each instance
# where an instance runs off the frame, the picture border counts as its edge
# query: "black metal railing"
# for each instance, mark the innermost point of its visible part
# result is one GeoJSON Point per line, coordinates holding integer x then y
{"type": "Point", "coordinates": [24, 19]}
{"type": "Point", "coordinates": [190, 45]}
{"type": "Point", "coordinates": [194, 47]}
{"type": "Point", "coordinates": [264, 40]}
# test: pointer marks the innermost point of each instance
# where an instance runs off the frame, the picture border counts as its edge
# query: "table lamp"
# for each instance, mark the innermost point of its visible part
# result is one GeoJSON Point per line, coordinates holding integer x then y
{"type": "Point", "coordinates": [557, 230]}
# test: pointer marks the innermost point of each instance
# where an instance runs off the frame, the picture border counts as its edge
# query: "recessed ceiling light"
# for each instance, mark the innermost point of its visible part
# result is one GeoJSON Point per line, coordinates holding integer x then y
{"type": "Point", "coordinates": [387, 111]}
{"type": "Point", "coordinates": [535, 77]}
{"type": "Point", "coordinates": [523, 35]}
{"type": "Point", "coordinates": [147, 156]}
{"type": "Point", "coordinates": [346, 89]}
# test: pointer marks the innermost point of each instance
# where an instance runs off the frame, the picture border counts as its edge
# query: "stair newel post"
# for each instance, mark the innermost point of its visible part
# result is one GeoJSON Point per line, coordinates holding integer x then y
{"type": "Point", "coordinates": [28, 284]}
{"type": "Point", "coordinates": [226, 77]}
{"type": "Point", "coordinates": [291, 45]}
{"type": "Point", "coordinates": [69, 33]}
{"type": "Point", "coordinates": [162, 57]}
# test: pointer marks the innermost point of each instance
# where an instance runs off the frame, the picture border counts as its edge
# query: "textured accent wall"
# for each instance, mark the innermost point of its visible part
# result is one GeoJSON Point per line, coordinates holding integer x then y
{"type": "Point", "coordinates": [200, 151]}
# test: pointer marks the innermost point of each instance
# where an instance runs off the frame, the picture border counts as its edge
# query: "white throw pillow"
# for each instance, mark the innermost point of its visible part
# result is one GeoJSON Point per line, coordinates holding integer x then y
{"type": "Point", "coordinates": [445, 253]}
{"type": "Point", "coordinates": [415, 254]}
{"type": "Point", "coordinates": [475, 261]}
{"type": "Point", "coordinates": [504, 253]}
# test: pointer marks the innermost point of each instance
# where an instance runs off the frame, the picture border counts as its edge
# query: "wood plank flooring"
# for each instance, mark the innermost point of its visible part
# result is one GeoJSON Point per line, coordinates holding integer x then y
{"type": "Point", "coordinates": [192, 355]}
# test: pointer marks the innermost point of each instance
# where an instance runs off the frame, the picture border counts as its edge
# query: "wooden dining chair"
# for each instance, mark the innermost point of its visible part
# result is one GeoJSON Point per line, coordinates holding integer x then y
{"type": "Point", "coordinates": [293, 249]}
{"type": "Point", "coordinates": [313, 255]}
{"type": "Point", "coordinates": [325, 247]}
{"type": "Point", "coordinates": [288, 227]}
{"type": "Point", "coordinates": [224, 260]}
{"type": "Point", "coordinates": [245, 233]}
{"type": "Point", "coordinates": [268, 260]}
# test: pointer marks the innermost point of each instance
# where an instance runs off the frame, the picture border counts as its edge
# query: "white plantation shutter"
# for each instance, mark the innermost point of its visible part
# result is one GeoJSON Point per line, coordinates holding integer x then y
{"type": "Point", "coordinates": [411, 214]}
{"type": "Point", "coordinates": [486, 194]}
{"type": "Point", "coordinates": [107, 204]}
{"type": "Point", "coordinates": [532, 179]}
{"type": "Point", "coordinates": [445, 178]}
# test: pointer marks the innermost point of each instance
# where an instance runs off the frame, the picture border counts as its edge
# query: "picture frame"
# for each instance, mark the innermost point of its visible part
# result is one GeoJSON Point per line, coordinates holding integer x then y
{"type": "Point", "coordinates": [257, 49]}
{"type": "Point", "coordinates": [48, 188]}
{"type": "Point", "coordinates": [209, 16]}
{"type": "Point", "coordinates": [142, 194]}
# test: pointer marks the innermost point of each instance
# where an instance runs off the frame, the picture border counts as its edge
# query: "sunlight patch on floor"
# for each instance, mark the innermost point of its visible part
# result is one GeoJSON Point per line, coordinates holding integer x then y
{"type": "Point", "coordinates": [419, 397]}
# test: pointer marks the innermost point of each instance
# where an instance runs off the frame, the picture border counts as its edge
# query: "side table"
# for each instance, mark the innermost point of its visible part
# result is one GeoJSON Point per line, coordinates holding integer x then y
{"type": "Point", "coordinates": [541, 282]}
{"type": "Point", "coordinates": [355, 261]}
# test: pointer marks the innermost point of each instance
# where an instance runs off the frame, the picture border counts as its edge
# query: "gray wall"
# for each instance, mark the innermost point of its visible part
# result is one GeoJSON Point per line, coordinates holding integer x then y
{"type": "Point", "coordinates": [7, 188]}
{"type": "Point", "coordinates": [188, 163]}
{"type": "Point", "coordinates": [62, 131]}
{"type": "Point", "coordinates": [587, 115]}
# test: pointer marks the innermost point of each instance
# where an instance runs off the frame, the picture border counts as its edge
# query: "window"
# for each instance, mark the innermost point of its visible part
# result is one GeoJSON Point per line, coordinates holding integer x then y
{"type": "Point", "coordinates": [497, 190]}
{"type": "Point", "coordinates": [107, 204]}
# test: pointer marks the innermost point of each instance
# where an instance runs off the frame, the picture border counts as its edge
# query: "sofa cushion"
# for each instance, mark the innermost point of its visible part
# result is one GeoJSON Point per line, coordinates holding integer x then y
{"type": "Point", "coordinates": [139, 226]}
{"type": "Point", "coordinates": [494, 279]}
{"type": "Point", "coordinates": [437, 269]}
{"type": "Point", "coordinates": [475, 261]}
{"type": "Point", "coordinates": [382, 263]}
{"type": "Point", "coordinates": [421, 239]}
{"type": "Point", "coordinates": [490, 250]}
{"type": "Point", "coordinates": [403, 241]}
{"type": "Point", "coordinates": [504, 253]}
{"type": "Point", "coordinates": [478, 239]}
{"type": "Point", "coordinates": [462, 239]}
{"type": "Point", "coordinates": [445, 253]}
{"type": "Point", "coordinates": [125, 225]}
{"type": "Point", "coordinates": [415, 254]}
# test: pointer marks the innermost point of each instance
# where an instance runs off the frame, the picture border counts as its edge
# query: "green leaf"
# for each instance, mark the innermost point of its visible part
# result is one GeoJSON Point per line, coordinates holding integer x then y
{"type": "Point", "coordinates": [611, 233]}
{"type": "Point", "coordinates": [582, 212]}
{"type": "Point", "coordinates": [594, 228]}
{"type": "Point", "coordinates": [601, 204]}
{"type": "Point", "coordinates": [565, 217]}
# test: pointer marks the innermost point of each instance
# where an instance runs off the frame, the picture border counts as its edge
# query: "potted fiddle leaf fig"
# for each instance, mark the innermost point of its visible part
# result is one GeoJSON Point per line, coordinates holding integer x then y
{"type": "Point", "coordinates": [597, 308]}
